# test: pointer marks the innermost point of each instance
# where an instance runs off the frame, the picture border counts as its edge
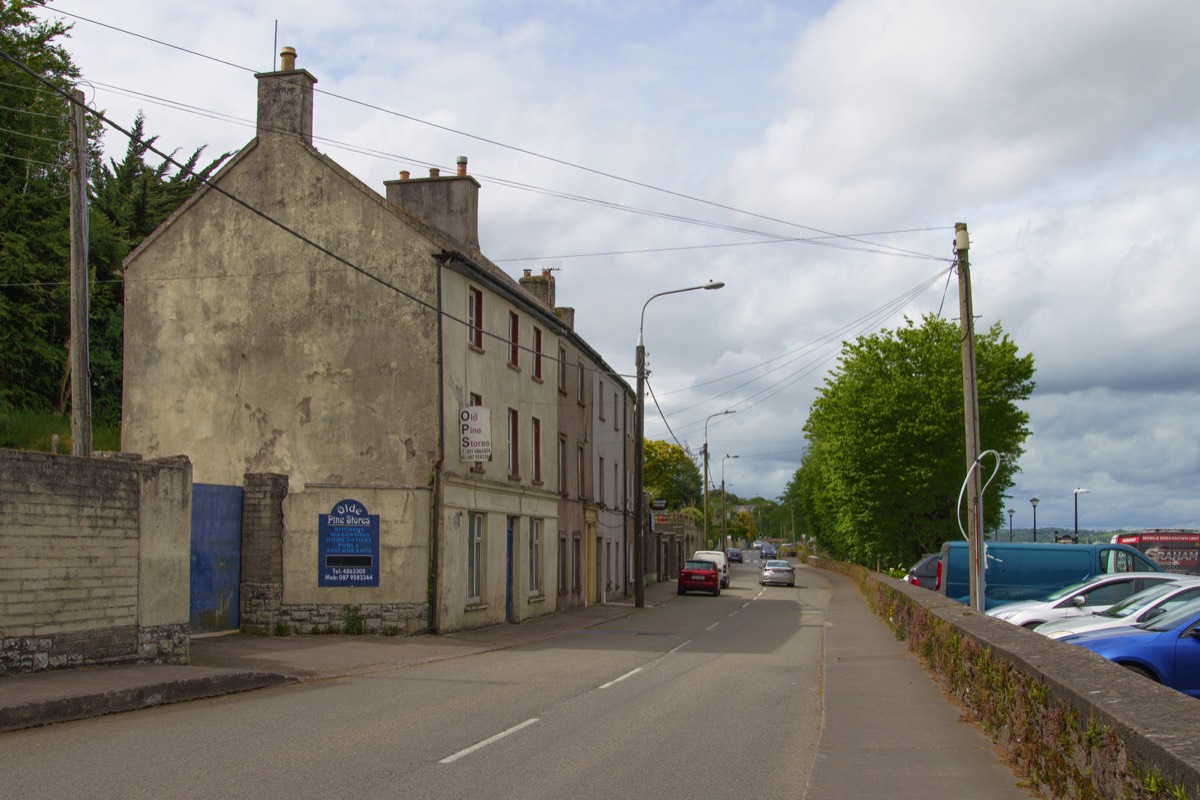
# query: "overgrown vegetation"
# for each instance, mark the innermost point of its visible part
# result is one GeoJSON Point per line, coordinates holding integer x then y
{"type": "Point", "coordinates": [127, 201]}
{"type": "Point", "coordinates": [36, 430]}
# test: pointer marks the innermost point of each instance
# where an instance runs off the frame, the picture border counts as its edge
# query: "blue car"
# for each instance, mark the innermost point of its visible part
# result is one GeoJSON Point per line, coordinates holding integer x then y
{"type": "Point", "coordinates": [1165, 649]}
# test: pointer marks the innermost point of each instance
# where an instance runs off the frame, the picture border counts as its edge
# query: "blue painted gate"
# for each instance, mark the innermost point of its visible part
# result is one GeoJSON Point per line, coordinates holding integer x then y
{"type": "Point", "coordinates": [216, 570]}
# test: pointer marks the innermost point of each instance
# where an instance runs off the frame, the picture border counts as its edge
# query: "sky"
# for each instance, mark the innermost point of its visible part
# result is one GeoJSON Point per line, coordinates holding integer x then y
{"type": "Point", "coordinates": [813, 156]}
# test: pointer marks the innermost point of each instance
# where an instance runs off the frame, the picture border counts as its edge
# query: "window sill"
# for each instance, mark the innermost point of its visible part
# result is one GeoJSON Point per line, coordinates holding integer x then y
{"type": "Point", "coordinates": [477, 348]}
{"type": "Point", "coordinates": [475, 607]}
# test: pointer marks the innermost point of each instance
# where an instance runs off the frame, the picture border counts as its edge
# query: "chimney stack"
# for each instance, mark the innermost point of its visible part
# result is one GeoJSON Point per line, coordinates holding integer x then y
{"type": "Point", "coordinates": [541, 287]}
{"type": "Point", "coordinates": [285, 100]}
{"type": "Point", "coordinates": [447, 203]}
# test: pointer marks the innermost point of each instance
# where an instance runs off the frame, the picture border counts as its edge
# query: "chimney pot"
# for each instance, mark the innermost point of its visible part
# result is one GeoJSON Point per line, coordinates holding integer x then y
{"type": "Point", "coordinates": [462, 166]}
{"type": "Point", "coordinates": [434, 172]}
{"type": "Point", "coordinates": [288, 59]}
{"type": "Point", "coordinates": [404, 174]}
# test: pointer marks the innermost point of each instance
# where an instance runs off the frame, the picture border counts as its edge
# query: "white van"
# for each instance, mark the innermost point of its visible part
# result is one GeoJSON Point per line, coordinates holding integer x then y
{"type": "Point", "coordinates": [722, 563]}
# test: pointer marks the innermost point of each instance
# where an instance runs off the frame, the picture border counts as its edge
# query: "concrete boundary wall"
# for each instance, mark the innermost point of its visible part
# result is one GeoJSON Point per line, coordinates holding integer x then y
{"type": "Point", "coordinates": [1075, 724]}
{"type": "Point", "coordinates": [92, 552]}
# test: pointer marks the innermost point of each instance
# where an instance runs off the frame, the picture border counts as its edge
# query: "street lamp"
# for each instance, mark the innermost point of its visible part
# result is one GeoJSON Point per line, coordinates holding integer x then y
{"type": "Point", "coordinates": [1033, 501]}
{"type": "Point", "coordinates": [1077, 493]}
{"type": "Point", "coordinates": [1011, 511]}
{"type": "Point", "coordinates": [639, 499]}
{"type": "Point", "coordinates": [724, 515]}
{"type": "Point", "coordinates": [710, 416]}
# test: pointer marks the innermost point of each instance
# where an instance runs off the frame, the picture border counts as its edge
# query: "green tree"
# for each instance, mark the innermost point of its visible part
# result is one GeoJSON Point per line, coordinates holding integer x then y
{"type": "Point", "coordinates": [127, 201]}
{"type": "Point", "coordinates": [670, 473]}
{"type": "Point", "coordinates": [34, 210]}
{"type": "Point", "coordinates": [886, 441]}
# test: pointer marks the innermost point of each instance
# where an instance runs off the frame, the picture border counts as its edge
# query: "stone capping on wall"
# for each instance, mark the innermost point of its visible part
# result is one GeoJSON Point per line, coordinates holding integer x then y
{"type": "Point", "coordinates": [1075, 724]}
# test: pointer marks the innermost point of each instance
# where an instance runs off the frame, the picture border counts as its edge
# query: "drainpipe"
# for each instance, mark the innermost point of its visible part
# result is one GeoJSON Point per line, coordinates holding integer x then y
{"type": "Point", "coordinates": [435, 528]}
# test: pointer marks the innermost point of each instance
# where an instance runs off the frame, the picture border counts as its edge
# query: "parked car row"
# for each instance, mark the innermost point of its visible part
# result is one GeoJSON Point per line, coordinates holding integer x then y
{"type": "Point", "coordinates": [1109, 599]}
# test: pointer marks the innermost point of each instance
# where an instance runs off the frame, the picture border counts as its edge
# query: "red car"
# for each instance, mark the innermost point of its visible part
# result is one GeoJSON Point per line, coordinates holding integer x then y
{"type": "Point", "coordinates": [699, 576]}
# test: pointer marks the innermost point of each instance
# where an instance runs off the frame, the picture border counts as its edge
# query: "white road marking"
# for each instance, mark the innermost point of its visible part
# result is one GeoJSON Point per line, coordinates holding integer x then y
{"type": "Point", "coordinates": [486, 742]}
{"type": "Point", "coordinates": [677, 649]}
{"type": "Point", "coordinates": [629, 674]}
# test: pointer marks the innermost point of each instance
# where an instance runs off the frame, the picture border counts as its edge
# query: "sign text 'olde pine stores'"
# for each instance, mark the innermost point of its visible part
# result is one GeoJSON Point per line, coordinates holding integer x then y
{"type": "Point", "coordinates": [348, 546]}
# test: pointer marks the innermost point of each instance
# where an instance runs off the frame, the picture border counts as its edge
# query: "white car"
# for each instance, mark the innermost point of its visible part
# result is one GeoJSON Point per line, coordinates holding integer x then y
{"type": "Point", "coordinates": [722, 563]}
{"type": "Point", "coordinates": [1076, 601]}
{"type": "Point", "coordinates": [1133, 610]}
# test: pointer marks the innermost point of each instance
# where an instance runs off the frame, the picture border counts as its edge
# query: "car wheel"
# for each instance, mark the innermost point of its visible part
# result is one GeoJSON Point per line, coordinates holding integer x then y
{"type": "Point", "coordinates": [1145, 673]}
{"type": "Point", "coordinates": [717, 592]}
{"type": "Point", "coordinates": [681, 590]}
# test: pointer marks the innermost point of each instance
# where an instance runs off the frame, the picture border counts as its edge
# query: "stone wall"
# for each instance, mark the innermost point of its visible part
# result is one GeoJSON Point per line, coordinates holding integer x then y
{"type": "Point", "coordinates": [90, 550]}
{"type": "Point", "coordinates": [1076, 725]}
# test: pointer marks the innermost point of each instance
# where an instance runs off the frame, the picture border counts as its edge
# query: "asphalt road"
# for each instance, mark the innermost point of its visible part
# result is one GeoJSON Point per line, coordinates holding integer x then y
{"type": "Point", "coordinates": [672, 702]}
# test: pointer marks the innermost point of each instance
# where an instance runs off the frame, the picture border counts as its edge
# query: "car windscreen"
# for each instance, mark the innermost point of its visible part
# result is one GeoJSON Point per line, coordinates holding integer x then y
{"type": "Point", "coordinates": [777, 565]}
{"type": "Point", "coordinates": [706, 566]}
{"type": "Point", "coordinates": [1061, 593]}
{"type": "Point", "coordinates": [1134, 603]}
{"type": "Point", "coordinates": [1173, 618]}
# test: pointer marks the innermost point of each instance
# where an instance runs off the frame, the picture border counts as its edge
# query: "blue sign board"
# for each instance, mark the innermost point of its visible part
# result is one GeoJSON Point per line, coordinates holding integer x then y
{"type": "Point", "coordinates": [348, 546]}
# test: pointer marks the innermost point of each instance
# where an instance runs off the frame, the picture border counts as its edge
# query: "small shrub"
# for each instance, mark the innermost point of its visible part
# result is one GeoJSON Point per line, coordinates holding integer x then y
{"type": "Point", "coordinates": [355, 624]}
{"type": "Point", "coordinates": [283, 629]}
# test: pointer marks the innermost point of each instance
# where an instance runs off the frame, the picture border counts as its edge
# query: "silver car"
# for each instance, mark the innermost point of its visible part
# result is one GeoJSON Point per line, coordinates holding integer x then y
{"type": "Point", "coordinates": [1133, 610]}
{"type": "Point", "coordinates": [777, 572]}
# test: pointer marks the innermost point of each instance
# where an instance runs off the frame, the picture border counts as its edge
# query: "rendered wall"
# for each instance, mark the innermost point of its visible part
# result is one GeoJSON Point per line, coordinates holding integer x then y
{"type": "Point", "coordinates": [93, 552]}
{"type": "Point", "coordinates": [250, 350]}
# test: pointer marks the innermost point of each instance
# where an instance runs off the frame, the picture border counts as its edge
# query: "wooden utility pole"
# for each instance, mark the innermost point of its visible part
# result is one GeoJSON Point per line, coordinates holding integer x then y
{"type": "Point", "coordinates": [975, 548]}
{"type": "Point", "coordinates": [81, 390]}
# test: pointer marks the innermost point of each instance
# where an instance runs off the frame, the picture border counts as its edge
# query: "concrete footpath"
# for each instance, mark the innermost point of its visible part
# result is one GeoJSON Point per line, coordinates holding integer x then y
{"type": "Point", "coordinates": [887, 730]}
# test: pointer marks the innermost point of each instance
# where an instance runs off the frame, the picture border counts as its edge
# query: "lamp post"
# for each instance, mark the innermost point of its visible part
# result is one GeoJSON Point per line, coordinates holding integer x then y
{"type": "Point", "coordinates": [1011, 511]}
{"type": "Point", "coordinates": [639, 495]}
{"type": "Point", "coordinates": [724, 515]}
{"type": "Point", "coordinates": [710, 416]}
{"type": "Point", "coordinates": [1033, 501]}
{"type": "Point", "coordinates": [1078, 492]}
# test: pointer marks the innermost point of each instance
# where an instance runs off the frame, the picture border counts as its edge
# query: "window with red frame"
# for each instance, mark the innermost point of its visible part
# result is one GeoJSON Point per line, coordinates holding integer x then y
{"type": "Point", "coordinates": [537, 450]}
{"type": "Point", "coordinates": [475, 317]}
{"type": "Point", "coordinates": [537, 353]}
{"type": "Point", "coordinates": [514, 457]}
{"type": "Point", "coordinates": [514, 339]}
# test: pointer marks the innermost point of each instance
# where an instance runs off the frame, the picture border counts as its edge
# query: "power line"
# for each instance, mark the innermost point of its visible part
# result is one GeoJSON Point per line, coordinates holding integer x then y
{"type": "Point", "coordinates": [825, 240]}
{"type": "Point", "coordinates": [870, 246]}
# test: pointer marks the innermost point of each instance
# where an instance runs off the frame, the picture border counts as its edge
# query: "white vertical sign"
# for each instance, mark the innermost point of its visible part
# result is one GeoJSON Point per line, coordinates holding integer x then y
{"type": "Point", "coordinates": [475, 433]}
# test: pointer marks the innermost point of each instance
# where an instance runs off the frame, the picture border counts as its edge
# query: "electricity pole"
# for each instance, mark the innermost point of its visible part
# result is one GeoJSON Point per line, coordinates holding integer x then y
{"type": "Point", "coordinates": [81, 390]}
{"type": "Point", "coordinates": [975, 548]}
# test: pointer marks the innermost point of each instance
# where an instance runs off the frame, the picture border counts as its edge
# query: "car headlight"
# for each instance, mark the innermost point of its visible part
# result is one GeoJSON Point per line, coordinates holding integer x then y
{"type": "Point", "coordinates": [1058, 634]}
{"type": "Point", "coordinates": [1004, 615]}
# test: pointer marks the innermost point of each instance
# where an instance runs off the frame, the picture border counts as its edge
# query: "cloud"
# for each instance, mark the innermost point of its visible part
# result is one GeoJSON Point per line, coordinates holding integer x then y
{"type": "Point", "coordinates": [1066, 135]}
